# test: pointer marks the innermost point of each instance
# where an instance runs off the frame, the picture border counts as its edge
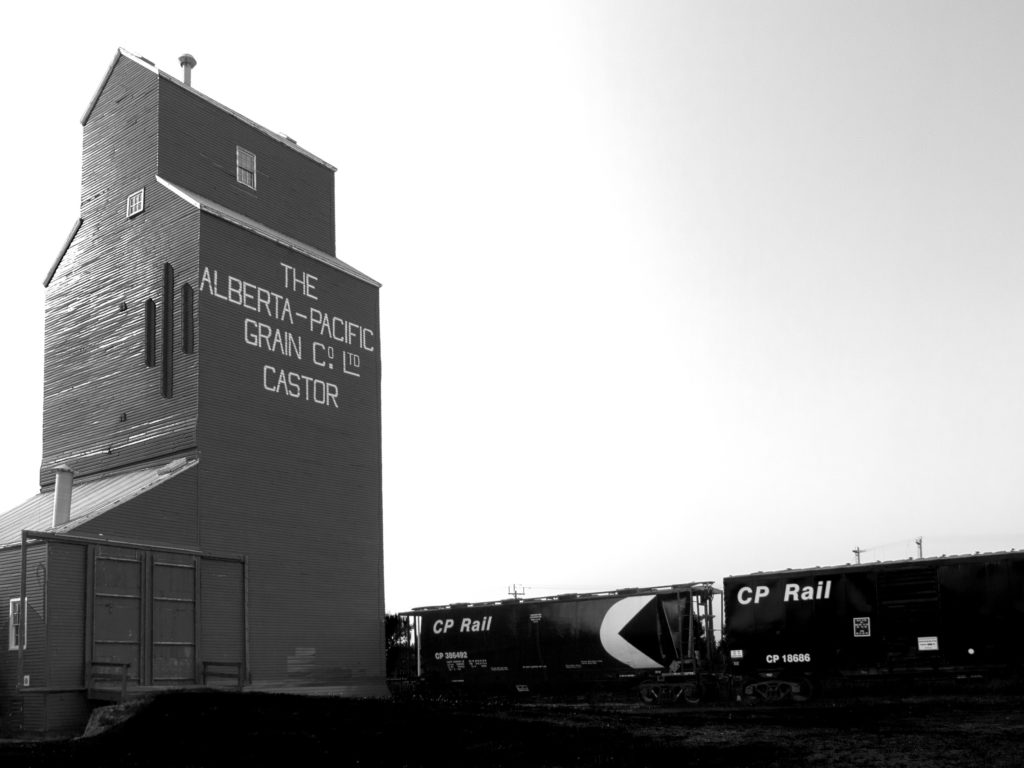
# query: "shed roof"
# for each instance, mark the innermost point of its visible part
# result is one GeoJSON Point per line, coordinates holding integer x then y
{"type": "Point", "coordinates": [90, 498]}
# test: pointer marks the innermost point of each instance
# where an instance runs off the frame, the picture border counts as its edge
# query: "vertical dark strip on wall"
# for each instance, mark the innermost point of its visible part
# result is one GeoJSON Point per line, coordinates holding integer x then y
{"type": "Point", "coordinates": [150, 333]}
{"type": "Point", "coordinates": [188, 333]}
{"type": "Point", "coordinates": [168, 331]}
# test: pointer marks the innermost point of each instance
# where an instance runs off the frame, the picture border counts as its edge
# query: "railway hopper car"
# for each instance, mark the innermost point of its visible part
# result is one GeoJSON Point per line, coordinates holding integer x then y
{"type": "Point", "coordinates": [790, 632]}
{"type": "Point", "coordinates": [660, 637]}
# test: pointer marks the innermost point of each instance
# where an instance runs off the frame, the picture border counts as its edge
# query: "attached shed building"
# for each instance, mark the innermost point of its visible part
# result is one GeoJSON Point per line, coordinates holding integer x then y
{"type": "Point", "coordinates": [210, 507]}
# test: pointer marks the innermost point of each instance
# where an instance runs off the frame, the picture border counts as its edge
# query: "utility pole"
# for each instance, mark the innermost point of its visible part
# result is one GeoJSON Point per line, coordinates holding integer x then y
{"type": "Point", "coordinates": [857, 551]}
{"type": "Point", "coordinates": [920, 547]}
{"type": "Point", "coordinates": [516, 590]}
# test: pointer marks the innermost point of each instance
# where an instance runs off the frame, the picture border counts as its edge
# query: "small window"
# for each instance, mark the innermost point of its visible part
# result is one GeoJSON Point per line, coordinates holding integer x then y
{"type": "Point", "coordinates": [136, 202]}
{"type": "Point", "coordinates": [246, 163]}
{"type": "Point", "coordinates": [16, 626]}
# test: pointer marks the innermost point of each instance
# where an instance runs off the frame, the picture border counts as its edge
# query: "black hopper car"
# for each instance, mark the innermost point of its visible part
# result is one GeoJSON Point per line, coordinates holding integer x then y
{"type": "Point", "coordinates": [660, 638]}
{"type": "Point", "coordinates": [945, 618]}
{"type": "Point", "coordinates": [784, 635]}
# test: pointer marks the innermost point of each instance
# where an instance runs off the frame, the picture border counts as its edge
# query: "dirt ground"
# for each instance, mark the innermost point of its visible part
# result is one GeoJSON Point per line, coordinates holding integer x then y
{"type": "Point", "coordinates": [229, 729]}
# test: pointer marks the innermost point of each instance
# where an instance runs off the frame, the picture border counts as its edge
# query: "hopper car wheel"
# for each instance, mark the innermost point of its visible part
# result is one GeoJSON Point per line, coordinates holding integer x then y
{"type": "Point", "coordinates": [803, 689]}
{"type": "Point", "coordinates": [649, 694]}
{"type": "Point", "coordinates": [692, 693]}
{"type": "Point", "coordinates": [768, 690]}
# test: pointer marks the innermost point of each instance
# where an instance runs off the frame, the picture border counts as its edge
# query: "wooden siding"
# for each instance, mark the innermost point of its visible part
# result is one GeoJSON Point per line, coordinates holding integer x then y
{"type": "Point", "coordinates": [222, 612]}
{"type": "Point", "coordinates": [103, 407]}
{"type": "Point", "coordinates": [284, 407]}
{"type": "Point", "coordinates": [23, 711]}
{"type": "Point", "coordinates": [294, 194]}
{"type": "Point", "coordinates": [293, 484]}
{"type": "Point", "coordinates": [173, 617]}
{"type": "Point", "coordinates": [99, 602]}
{"type": "Point", "coordinates": [65, 618]}
{"type": "Point", "coordinates": [116, 624]}
{"type": "Point", "coordinates": [11, 717]}
{"type": "Point", "coordinates": [65, 710]}
{"type": "Point", "coordinates": [164, 515]}
{"type": "Point", "coordinates": [119, 141]}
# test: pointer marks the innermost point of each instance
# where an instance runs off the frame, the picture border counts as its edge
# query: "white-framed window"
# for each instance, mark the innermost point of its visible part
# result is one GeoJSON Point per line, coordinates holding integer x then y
{"type": "Point", "coordinates": [245, 162]}
{"type": "Point", "coordinates": [136, 202]}
{"type": "Point", "coordinates": [16, 626]}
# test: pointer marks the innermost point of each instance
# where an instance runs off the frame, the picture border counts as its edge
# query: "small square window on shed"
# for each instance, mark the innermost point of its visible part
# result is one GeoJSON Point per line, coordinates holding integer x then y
{"type": "Point", "coordinates": [246, 166]}
{"type": "Point", "coordinates": [16, 626]}
{"type": "Point", "coordinates": [136, 202]}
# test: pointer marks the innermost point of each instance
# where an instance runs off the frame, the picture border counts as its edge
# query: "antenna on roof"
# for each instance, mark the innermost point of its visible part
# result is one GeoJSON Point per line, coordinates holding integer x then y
{"type": "Point", "coordinates": [516, 590]}
{"type": "Point", "coordinates": [187, 61]}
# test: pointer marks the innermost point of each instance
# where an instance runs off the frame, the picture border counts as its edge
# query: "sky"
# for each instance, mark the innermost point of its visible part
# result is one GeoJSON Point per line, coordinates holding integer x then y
{"type": "Point", "coordinates": [671, 290]}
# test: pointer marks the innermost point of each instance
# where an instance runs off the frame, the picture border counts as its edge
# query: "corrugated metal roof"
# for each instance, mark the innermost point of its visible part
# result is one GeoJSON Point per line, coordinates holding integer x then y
{"type": "Point", "coordinates": [90, 498]}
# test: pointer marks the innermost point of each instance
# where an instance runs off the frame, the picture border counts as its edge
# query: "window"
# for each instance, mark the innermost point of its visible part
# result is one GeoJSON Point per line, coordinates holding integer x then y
{"type": "Point", "coordinates": [246, 166]}
{"type": "Point", "coordinates": [136, 202]}
{"type": "Point", "coordinates": [16, 626]}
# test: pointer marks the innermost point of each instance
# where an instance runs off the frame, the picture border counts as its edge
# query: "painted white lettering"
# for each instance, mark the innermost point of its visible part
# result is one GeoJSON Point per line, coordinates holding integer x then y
{"type": "Point", "coordinates": [262, 300]}
{"type": "Point", "coordinates": [323, 355]}
{"type": "Point", "coordinates": [443, 625]}
{"type": "Point", "coordinates": [300, 282]}
{"type": "Point", "coordinates": [264, 336]}
{"type": "Point", "coordinates": [206, 284]}
{"type": "Point", "coordinates": [248, 295]}
{"type": "Point", "coordinates": [300, 386]}
{"type": "Point", "coordinates": [340, 330]}
{"type": "Point", "coordinates": [821, 590]}
{"type": "Point", "coordinates": [269, 314]}
{"type": "Point", "coordinates": [350, 363]}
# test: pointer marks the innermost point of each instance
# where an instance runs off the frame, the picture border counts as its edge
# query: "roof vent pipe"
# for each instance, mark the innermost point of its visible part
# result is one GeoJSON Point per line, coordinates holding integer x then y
{"type": "Point", "coordinates": [187, 61]}
{"type": "Point", "coordinates": [62, 494]}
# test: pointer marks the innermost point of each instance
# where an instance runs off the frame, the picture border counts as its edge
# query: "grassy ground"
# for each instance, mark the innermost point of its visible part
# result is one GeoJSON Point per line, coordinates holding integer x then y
{"type": "Point", "coordinates": [229, 729]}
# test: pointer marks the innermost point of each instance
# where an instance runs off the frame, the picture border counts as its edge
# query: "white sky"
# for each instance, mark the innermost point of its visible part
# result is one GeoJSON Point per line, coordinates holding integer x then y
{"type": "Point", "coordinates": [672, 290]}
